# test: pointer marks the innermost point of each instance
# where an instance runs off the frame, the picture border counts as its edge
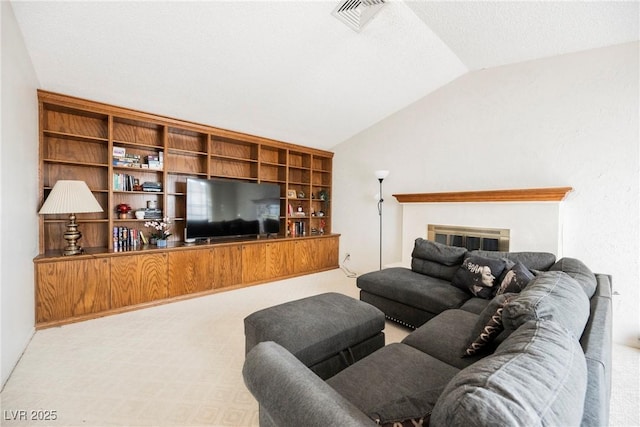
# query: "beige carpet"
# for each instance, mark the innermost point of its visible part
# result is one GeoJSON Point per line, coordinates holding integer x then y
{"type": "Point", "coordinates": [180, 364]}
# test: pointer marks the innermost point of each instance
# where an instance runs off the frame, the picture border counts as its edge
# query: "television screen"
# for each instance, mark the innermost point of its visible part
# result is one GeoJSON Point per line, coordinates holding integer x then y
{"type": "Point", "coordinates": [219, 208]}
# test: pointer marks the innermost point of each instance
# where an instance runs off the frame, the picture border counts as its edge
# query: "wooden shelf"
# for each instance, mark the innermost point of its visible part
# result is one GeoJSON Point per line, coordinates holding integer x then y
{"type": "Point", "coordinates": [77, 137]}
{"type": "Point", "coordinates": [554, 194]}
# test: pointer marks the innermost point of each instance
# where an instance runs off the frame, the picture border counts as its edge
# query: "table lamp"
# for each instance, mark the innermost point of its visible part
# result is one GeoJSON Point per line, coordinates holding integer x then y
{"type": "Point", "coordinates": [70, 197]}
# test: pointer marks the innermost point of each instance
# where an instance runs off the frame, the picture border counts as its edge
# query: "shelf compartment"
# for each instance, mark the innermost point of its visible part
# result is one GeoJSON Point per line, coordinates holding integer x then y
{"type": "Point", "coordinates": [299, 160]}
{"type": "Point", "coordinates": [272, 155]}
{"type": "Point", "coordinates": [80, 123]}
{"type": "Point", "coordinates": [94, 175]}
{"type": "Point", "coordinates": [322, 164]}
{"type": "Point", "coordinates": [94, 234]}
{"type": "Point", "coordinates": [176, 184]}
{"type": "Point", "coordinates": [186, 162]}
{"type": "Point", "coordinates": [137, 132]}
{"type": "Point", "coordinates": [273, 173]}
{"type": "Point", "coordinates": [321, 179]}
{"type": "Point", "coordinates": [301, 176]}
{"type": "Point", "coordinates": [75, 150]}
{"type": "Point", "coordinates": [136, 199]}
{"type": "Point", "coordinates": [233, 168]}
{"type": "Point", "coordinates": [186, 140]}
{"type": "Point", "coordinates": [234, 149]}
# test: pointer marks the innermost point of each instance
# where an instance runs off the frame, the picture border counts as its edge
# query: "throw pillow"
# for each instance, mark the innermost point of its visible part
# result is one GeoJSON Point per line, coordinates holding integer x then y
{"type": "Point", "coordinates": [478, 276]}
{"type": "Point", "coordinates": [409, 411]}
{"type": "Point", "coordinates": [488, 326]}
{"type": "Point", "coordinates": [515, 279]}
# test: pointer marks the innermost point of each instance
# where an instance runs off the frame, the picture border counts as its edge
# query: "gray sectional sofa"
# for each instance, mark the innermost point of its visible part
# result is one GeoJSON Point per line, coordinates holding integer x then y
{"type": "Point", "coordinates": [533, 350]}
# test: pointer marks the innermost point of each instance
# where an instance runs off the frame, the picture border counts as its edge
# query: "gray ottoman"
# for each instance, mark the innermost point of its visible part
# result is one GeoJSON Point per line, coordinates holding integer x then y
{"type": "Point", "coordinates": [326, 332]}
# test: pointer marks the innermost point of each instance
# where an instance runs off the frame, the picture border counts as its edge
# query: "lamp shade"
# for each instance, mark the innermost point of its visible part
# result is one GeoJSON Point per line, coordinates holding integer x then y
{"type": "Point", "coordinates": [70, 197]}
{"type": "Point", "coordinates": [382, 174]}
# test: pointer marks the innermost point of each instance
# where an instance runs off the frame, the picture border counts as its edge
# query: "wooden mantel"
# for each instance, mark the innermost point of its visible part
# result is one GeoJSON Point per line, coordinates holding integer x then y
{"type": "Point", "coordinates": [555, 194]}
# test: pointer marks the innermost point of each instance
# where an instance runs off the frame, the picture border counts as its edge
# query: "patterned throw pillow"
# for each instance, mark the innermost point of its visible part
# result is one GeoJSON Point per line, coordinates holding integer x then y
{"type": "Point", "coordinates": [515, 279]}
{"type": "Point", "coordinates": [488, 326]}
{"type": "Point", "coordinates": [478, 276]}
{"type": "Point", "coordinates": [412, 422]}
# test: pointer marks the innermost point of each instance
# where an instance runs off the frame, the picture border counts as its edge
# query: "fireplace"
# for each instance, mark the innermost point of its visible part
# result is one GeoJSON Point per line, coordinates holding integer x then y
{"type": "Point", "coordinates": [472, 238]}
{"type": "Point", "coordinates": [532, 217]}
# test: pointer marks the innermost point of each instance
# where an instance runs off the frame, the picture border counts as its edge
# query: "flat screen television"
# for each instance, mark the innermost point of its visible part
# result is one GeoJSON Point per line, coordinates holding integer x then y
{"type": "Point", "coordinates": [218, 208]}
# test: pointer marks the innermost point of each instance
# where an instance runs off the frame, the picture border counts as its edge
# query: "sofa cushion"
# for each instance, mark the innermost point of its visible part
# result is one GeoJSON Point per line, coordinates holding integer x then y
{"type": "Point", "coordinates": [532, 260]}
{"type": "Point", "coordinates": [488, 326]}
{"type": "Point", "coordinates": [475, 305]}
{"type": "Point", "coordinates": [435, 259]}
{"type": "Point", "coordinates": [537, 376]}
{"type": "Point", "coordinates": [478, 275]}
{"type": "Point", "coordinates": [515, 279]}
{"type": "Point", "coordinates": [576, 269]}
{"type": "Point", "coordinates": [446, 336]}
{"type": "Point", "coordinates": [395, 383]}
{"type": "Point", "coordinates": [553, 295]}
{"type": "Point", "coordinates": [413, 289]}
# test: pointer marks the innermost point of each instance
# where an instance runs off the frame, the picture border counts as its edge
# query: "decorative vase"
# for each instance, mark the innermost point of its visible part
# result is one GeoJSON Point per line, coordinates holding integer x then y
{"type": "Point", "coordinates": [162, 243]}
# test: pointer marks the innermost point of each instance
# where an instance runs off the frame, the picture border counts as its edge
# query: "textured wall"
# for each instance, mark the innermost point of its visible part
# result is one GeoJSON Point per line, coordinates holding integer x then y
{"type": "Point", "coordinates": [569, 120]}
{"type": "Point", "coordinates": [18, 177]}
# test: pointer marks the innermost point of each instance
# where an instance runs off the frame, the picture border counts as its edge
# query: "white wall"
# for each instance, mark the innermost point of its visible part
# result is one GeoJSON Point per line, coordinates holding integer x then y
{"type": "Point", "coordinates": [570, 120]}
{"type": "Point", "coordinates": [18, 193]}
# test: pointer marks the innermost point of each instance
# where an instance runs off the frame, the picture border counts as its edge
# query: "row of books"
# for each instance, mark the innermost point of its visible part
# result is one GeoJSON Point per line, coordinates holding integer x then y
{"type": "Point", "coordinates": [124, 182]}
{"type": "Point", "coordinates": [126, 239]}
{"type": "Point", "coordinates": [123, 159]}
{"type": "Point", "coordinates": [297, 228]}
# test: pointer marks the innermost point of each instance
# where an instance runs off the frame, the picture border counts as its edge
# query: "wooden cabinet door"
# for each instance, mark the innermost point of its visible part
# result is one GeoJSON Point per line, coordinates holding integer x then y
{"type": "Point", "coordinates": [254, 263]}
{"type": "Point", "coordinates": [71, 288]}
{"type": "Point", "coordinates": [304, 252]}
{"type": "Point", "coordinates": [280, 259]}
{"type": "Point", "coordinates": [190, 272]}
{"type": "Point", "coordinates": [326, 256]}
{"type": "Point", "coordinates": [227, 266]}
{"type": "Point", "coordinates": [138, 278]}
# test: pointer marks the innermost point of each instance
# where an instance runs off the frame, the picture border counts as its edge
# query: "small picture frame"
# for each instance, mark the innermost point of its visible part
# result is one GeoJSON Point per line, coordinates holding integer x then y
{"type": "Point", "coordinates": [291, 194]}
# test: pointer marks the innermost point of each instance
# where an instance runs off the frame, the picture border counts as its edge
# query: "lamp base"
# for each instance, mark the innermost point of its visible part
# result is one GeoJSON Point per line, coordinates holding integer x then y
{"type": "Point", "coordinates": [72, 235]}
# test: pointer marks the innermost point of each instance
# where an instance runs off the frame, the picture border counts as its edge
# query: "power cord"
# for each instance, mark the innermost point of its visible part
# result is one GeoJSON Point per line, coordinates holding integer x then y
{"type": "Point", "coordinates": [346, 271]}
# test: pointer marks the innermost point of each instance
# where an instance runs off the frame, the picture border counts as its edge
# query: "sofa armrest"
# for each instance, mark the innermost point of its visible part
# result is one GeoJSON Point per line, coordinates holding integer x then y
{"type": "Point", "coordinates": [291, 394]}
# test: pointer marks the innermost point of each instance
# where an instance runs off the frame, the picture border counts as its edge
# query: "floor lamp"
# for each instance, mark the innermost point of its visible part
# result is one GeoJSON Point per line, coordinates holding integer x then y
{"type": "Point", "coordinates": [381, 175]}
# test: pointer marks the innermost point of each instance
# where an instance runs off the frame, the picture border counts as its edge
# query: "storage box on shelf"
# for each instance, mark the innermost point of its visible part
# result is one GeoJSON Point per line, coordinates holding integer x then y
{"type": "Point", "coordinates": [131, 158]}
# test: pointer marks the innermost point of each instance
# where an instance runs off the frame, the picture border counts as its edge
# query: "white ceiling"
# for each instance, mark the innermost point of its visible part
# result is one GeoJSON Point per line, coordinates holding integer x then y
{"type": "Point", "coordinates": [289, 70]}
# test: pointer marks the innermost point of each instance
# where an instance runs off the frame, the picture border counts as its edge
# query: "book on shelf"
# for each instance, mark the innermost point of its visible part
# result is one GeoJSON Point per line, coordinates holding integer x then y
{"type": "Point", "coordinates": [126, 239]}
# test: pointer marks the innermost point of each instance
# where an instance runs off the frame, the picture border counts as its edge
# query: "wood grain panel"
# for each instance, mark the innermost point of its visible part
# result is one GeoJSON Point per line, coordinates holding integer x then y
{"type": "Point", "coordinates": [280, 259]}
{"type": "Point", "coordinates": [138, 132]}
{"type": "Point", "coordinates": [326, 253]}
{"type": "Point", "coordinates": [237, 149]}
{"type": "Point", "coordinates": [254, 263]}
{"type": "Point", "coordinates": [555, 194]}
{"type": "Point", "coordinates": [138, 278]}
{"type": "Point", "coordinates": [75, 150]}
{"type": "Point", "coordinates": [186, 163]}
{"type": "Point", "coordinates": [75, 122]}
{"type": "Point", "coordinates": [304, 256]}
{"type": "Point", "coordinates": [227, 266]}
{"type": "Point", "coordinates": [186, 140]}
{"type": "Point", "coordinates": [189, 272]}
{"type": "Point", "coordinates": [73, 288]}
{"type": "Point", "coordinates": [233, 168]}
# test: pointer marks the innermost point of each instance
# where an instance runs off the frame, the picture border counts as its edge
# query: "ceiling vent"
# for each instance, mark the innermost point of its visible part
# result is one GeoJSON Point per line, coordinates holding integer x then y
{"type": "Point", "coordinates": [356, 13]}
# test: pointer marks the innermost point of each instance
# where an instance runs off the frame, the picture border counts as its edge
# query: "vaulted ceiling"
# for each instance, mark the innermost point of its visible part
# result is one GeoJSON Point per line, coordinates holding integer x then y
{"type": "Point", "coordinates": [289, 70]}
